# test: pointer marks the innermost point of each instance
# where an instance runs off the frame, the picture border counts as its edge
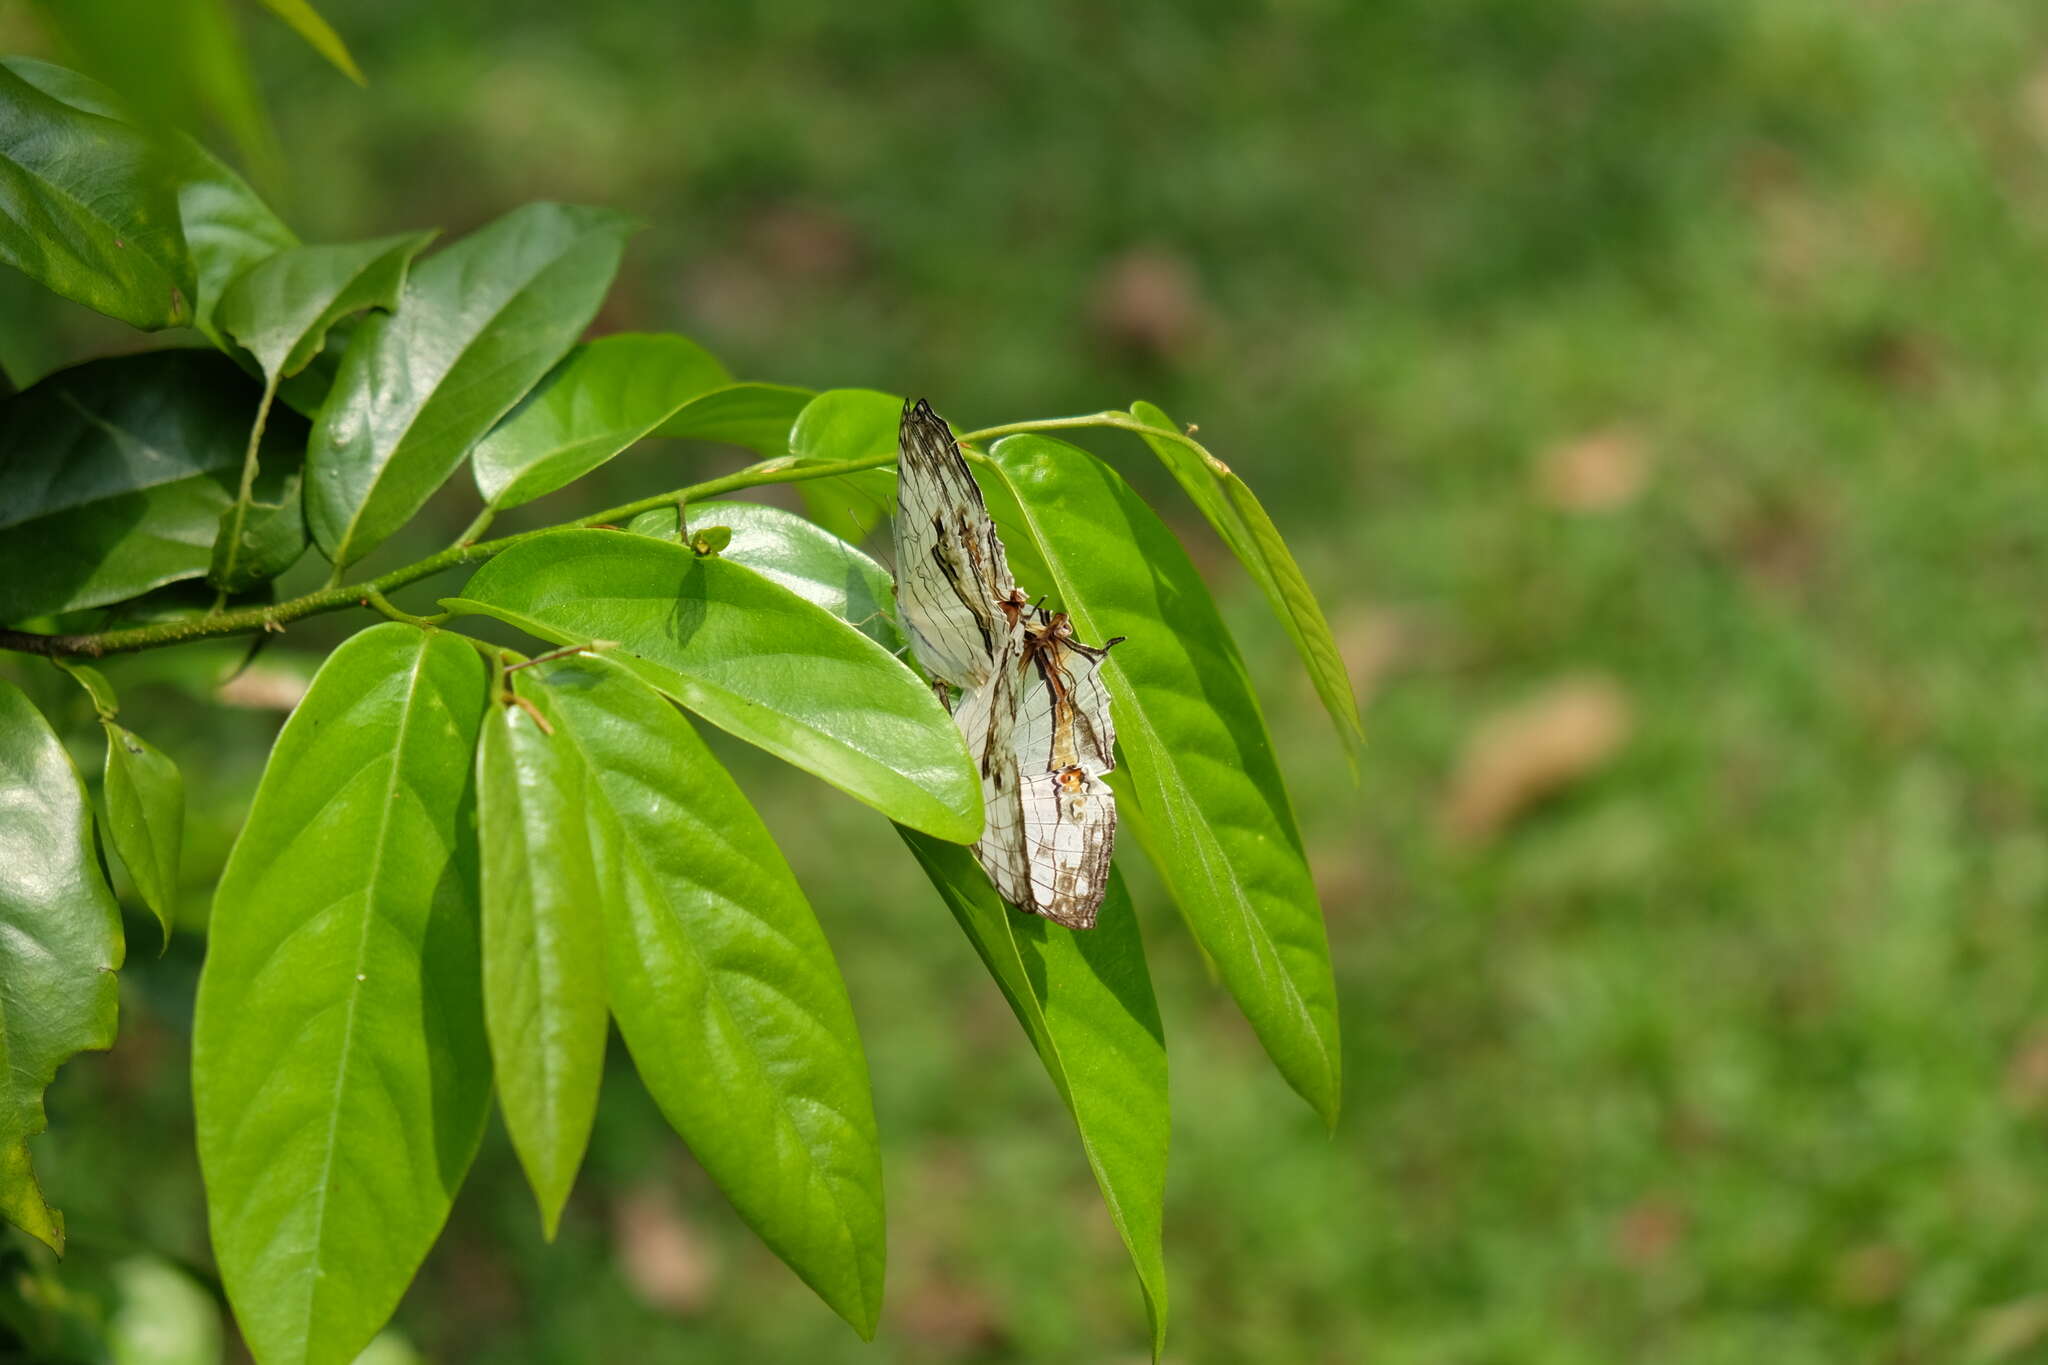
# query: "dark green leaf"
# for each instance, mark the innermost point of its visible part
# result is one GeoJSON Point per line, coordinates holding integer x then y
{"type": "Point", "coordinates": [608, 394]}
{"type": "Point", "coordinates": [60, 945]}
{"type": "Point", "coordinates": [86, 200]}
{"type": "Point", "coordinates": [1086, 1001]}
{"type": "Point", "coordinates": [227, 228]}
{"type": "Point", "coordinates": [544, 998]}
{"type": "Point", "coordinates": [480, 323]}
{"type": "Point", "coordinates": [800, 555]}
{"type": "Point", "coordinates": [281, 307]}
{"type": "Point", "coordinates": [307, 23]}
{"type": "Point", "coordinates": [1241, 521]}
{"type": "Point", "coordinates": [751, 657]}
{"type": "Point", "coordinates": [339, 1068]}
{"type": "Point", "coordinates": [146, 818]}
{"type": "Point", "coordinates": [725, 989]}
{"type": "Point", "coordinates": [114, 474]}
{"type": "Point", "coordinates": [1195, 745]}
{"type": "Point", "coordinates": [757, 416]}
{"type": "Point", "coordinates": [271, 537]}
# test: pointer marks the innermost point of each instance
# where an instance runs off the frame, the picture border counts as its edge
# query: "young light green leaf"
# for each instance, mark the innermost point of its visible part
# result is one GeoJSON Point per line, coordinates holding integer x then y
{"type": "Point", "coordinates": [725, 989]}
{"type": "Point", "coordinates": [227, 228]}
{"type": "Point", "coordinates": [848, 424]}
{"type": "Point", "coordinates": [751, 657]}
{"type": "Point", "coordinates": [1195, 745]}
{"type": "Point", "coordinates": [608, 394]}
{"type": "Point", "coordinates": [339, 1063]}
{"type": "Point", "coordinates": [480, 322]}
{"type": "Point", "coordinates": [307, 23]}
{"type": "Point", "coordinates": [89, 208]}
{"type": "Point", "coordinates": [1239, 518]}
{"type": "Point", "coordinates": [756, 416]}
{"type": "Point", "coordinates": [281, 308]}
{"type": "Point", "coordinates": [1085, 1000]}
{"type": "Point", "coordinates": [800, 555]}
{"type": "Point", "coordinates": [60, 945]}
{"type": "Point", "coordinates": [114, 474]}
{"type": "Point", "coordinates": [543, 940]}
{"type": "Point", "coordinates": [146, 818]}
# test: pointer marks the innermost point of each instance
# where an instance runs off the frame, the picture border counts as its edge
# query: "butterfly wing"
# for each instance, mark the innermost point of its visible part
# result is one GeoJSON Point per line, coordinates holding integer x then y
{"type": "Point", "coordinates": [950, 566]}
{"type": "Point", "coordinates": [987, 717]}
{"type": "Point", "coordinates": [1063, 716]}
{"type": "Point", "coordinates": [1069, 832]}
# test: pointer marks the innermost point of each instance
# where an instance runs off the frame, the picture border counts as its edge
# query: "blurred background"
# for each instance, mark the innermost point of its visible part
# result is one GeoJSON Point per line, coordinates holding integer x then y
{"type": "Point", "coordinates": [1654, 391]}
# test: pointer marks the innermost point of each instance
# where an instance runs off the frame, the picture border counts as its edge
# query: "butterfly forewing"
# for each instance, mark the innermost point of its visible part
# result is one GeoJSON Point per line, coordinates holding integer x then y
{"type": "Point", "coordinates": [950, 567]}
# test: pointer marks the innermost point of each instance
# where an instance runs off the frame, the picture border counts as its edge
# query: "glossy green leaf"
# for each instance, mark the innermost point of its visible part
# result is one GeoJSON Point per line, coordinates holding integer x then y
{"type": "Point", "coordinates": [227, 228]}
{"type": "Point", "coordinates": [480, 322]}
{"type": "Point", "coordinates": [751, 657]}
{"type": "Point", "coordinates": [87, 206]}
{"type": "Point", "coordinates": [543, 942]}
{"type": "Point", "coordinates": [281, 308]}
{"type": "Point", "coordinates": [114, 474]}
{"type": "Point", "coordinates": [724, 987]}
{"type": "Point", "coordinates": [104, 699]}
{"type": "Point", "coordinates": [800, 555]}
{"type": "Point", "coordinates": [849, 424]}
{"type": "Point", "coordinates": [1195, 745]}
{"type": "Point", "coordinates": [1085, 1000]}
{"type": "Point", "coordinates": [339, 1063]}
{"type": "Point", "coordinates": [307, 23]}
{"type": "Point", "coordinates": [1239, 518]}
{"type": "Point", "coordinates": [146, 818]}
{"type": "Point", "coordinates": [756, 416]}
{"type": "Point", "coordinates": [608, 394]}
{"type": "Point", "coordinates": [60, 945]}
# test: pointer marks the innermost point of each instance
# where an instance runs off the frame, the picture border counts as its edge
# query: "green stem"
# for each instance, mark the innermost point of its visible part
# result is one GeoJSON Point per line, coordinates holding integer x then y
{"type": "Point", "coordinates": [477, 527]}
{"type": "Point", "coordinates": [341, 596]}
{"type": "Point", "coordinates": [1122, 421]}
{"type": "Point", "coordinates": [377, 600]}
{"type": "Point", "coordinates": [239, 513]}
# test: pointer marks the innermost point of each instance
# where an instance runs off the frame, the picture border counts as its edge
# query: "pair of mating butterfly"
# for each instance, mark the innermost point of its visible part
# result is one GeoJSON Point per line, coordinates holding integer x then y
{"type": "Point", "coordinates": [1028, 695]}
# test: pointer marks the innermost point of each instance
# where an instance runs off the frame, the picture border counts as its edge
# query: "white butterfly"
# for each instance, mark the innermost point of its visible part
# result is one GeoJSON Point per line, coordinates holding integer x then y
{"type": "Point", "coordinates": [1032, 706]}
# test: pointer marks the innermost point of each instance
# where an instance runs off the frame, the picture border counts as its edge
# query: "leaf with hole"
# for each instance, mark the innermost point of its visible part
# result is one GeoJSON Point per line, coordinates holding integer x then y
{"type": "Point", "coordinates": [480, 322]}
{"type": "Point", "coordinates": [339, 1062]}
{"type": "Point", "coordinates": [60, 945]}
{"type": "Point", "coordinates": [751, 657]}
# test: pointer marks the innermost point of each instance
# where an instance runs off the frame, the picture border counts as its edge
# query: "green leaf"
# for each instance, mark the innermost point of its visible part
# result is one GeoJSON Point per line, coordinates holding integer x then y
{"type": "Point", "coordinates": [227, 228]}
{"type": "Point", "coordinates": [849, 424]}
{"type": "Point", "coordinates": [104, 699]}
{"type": "Point", "coordinates": [851, 506]}
{"type": "Point", "coordinates": [1085, 1000]}
{"type": "Point", "coordinates": [1195, 745]}
{"type": "Point", "coordinates": [161, 1316]}
{"type": "Point", "coordinates": [307, 23]}
{"type": "Point", "coordinates": [480, 322]}
{"type": "Point", "coordinates": [339, 1065]}
{"type": "Point", "coordinates": [1239, 518]}
{"type": "Point", "coordinates": [544, 997]}
{"type": "Point", "coordinates": [60, 945]}
{"type": "Point", "coordinates": [146, 818]}
{"type": "Point", "coordinates": [281, 308]}
{"type": "Point", "coordinates": [89, 208]}
{"type": "Point", "coordinates": [608, 394]}
{"type": "Point", "coordinates": [756, 416]}
{"type": "Point", "coordinates": [270, 539]}
{"type": "Point", "coordinates": [114, 474]}
{"type": "Point", "coordinates": [725, 989]}
{"type": "Point", "coordinates": [800, 555]}
{"type": "Point", "coordinates": [751, 657]}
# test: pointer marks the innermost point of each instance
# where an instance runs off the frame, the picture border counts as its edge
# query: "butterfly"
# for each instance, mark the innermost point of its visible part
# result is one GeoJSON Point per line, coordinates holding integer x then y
{"type": "Point", "coordinates": [1031, 703]}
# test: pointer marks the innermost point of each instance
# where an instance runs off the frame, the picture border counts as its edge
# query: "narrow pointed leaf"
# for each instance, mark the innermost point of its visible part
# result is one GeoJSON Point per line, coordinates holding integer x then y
{"type": "Point", "coordinates": [1195, 745]}
{"type": "Point", "coordinates": [227, 228]}
{"type": "Point", "coordinates": [543, 942]}
{"type": "Point", "coordinates": [339, 1066]}
{"type": "Point", "coordinates": [479, 324]}
{"type": "Point", "coordinates": [319, 35]}
{"type": "Point", "coordinates": [608, 394]}
{"type": "Point", "coordinates": [725, 989]}
{"type": "Point", "coordinates": [756, 416]}
{"type": "Point", "coordinates": [751, 657]}
{"type": "Point", "coordinates": [281, 308]}
{"type": "Point", "coordinates": [146, 818]}
{"type": "Point", "coordinates": [114, 474]}
{"type": "Point", "coordinates": [1238, 517]}
{"type": "Point", "coordinates": [800, 555]}
{"type": "Point", "coordinates": [60, 945]}
{"type": "Point", "coordinates": [1085, 1000]}
{"type": "Point", "coordinates": [87, 206]}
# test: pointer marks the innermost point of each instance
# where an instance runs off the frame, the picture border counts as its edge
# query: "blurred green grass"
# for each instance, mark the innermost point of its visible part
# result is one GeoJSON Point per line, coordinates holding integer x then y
{"type": "Point", "coordinates": [1691, 347]}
